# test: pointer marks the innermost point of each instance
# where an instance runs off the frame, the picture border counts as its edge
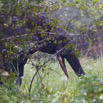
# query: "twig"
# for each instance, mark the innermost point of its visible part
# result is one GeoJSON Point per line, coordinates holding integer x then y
{"type": "Point", "coordinates": [24, 35]}
{"type": "Point", "coordinates": [44, 64]}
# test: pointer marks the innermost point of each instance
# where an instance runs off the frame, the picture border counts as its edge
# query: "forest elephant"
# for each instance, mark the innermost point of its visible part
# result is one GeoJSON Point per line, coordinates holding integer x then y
{"type": "Point", "coordinates": [51, 44]}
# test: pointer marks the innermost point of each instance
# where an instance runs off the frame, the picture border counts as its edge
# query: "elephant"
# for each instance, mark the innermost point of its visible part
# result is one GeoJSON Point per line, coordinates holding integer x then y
{"type": "Point", "coordinates": [51, 44]}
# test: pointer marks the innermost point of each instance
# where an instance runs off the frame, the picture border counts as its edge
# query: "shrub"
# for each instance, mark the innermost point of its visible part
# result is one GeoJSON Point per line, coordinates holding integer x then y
{"type": "Point", "coordinates": [89, 89]}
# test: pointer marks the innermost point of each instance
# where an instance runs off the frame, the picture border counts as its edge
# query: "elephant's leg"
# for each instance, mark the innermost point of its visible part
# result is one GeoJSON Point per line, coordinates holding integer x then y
{"type": "Point", "coordinates": [20, 70]}
{"type": "Point", "coordinates": [62, 64]}
{"type": "Point", "coordinates": [21, 74]}
{"type": "Point", "coordinates": [75, 64]}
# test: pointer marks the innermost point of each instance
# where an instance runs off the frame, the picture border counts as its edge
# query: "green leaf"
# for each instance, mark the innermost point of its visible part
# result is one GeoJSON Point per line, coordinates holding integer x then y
{"type": "Point", "coordinates": [71, 46]}
{"type": "Point", "coordinates": [95, 1]}
{"type": "Point", "coordinates": [77, 53]}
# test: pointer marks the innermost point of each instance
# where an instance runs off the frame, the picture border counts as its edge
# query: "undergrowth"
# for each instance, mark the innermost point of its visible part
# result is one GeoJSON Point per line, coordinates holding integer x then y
{"type": "Point", "coordinates": [51, 86]}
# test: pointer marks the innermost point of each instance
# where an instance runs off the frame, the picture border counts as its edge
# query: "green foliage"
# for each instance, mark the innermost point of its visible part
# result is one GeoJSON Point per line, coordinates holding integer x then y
{"type": "Point", "coordinates": [71, 46]}
{"type": "Point", "coordinates": [89, 89]}
{"type": "Point", "coordinates": [13, 94]}
{"type": "Point", "coordinates": [7, 79]}
{"type": "Point", "coordinates": [49, 87]}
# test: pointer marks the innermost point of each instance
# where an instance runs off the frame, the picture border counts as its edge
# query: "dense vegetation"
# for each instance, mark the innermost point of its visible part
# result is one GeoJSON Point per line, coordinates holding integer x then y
{"type": "Point", "coordinates": [51, 85]}
{"type": "Point", "coordinates": [20, 20]}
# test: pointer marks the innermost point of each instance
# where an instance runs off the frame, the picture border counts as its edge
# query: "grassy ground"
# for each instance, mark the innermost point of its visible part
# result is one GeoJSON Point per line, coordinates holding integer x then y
{"type": "Point", "coordinates": [51, 86]}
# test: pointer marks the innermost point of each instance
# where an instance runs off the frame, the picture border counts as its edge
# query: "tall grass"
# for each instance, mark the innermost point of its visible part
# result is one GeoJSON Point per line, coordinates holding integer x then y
{"type": "Point", "coordinates": [51, 86]}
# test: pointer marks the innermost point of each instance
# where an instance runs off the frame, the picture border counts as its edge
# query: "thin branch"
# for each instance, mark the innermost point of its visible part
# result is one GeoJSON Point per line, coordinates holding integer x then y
{"type": "Point", "coordinates": [24, 35]}
{"type": "Point", "coordinates": [44, 64]}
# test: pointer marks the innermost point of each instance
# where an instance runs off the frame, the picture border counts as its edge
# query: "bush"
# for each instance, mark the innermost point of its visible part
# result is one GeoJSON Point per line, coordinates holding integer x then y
{"type": "Point", "coordinates": [89, 89]}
